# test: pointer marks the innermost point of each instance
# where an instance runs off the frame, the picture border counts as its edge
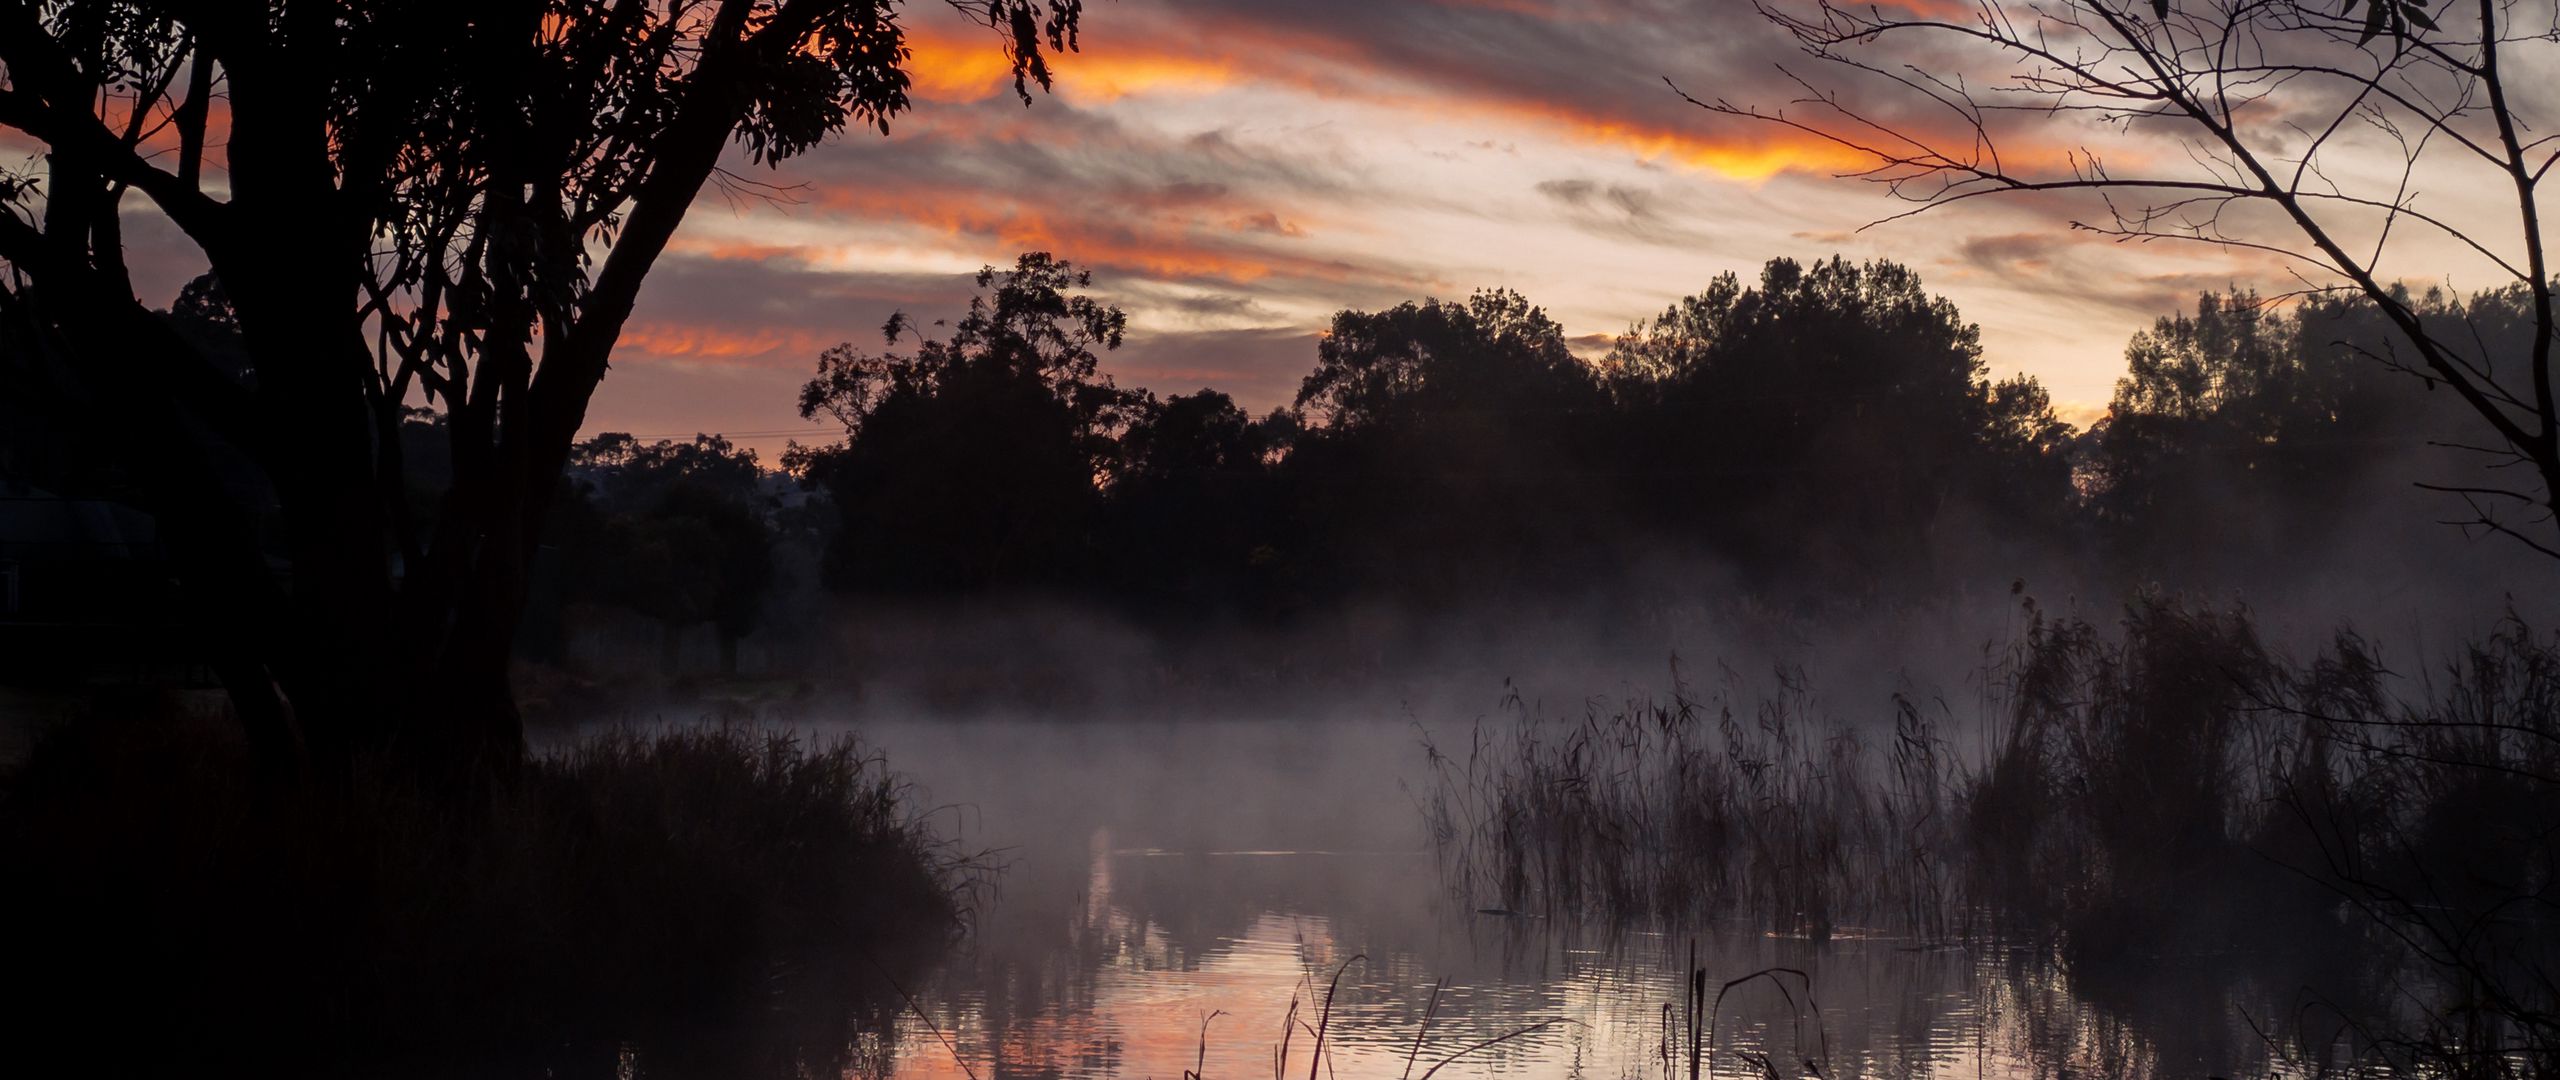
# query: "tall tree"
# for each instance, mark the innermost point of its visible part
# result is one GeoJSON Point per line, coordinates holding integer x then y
{"type": "Point", "coordinates": [1452, 450]}
{"type": "Point", "coordinates": [1829, 412]}
{"type": "Point", "coordinates": [443, 201]}
{"type": "Point", "coordinates": [1194, 517]}
{"type": "Point", "coordinates": [973, 462]}
{"type": "Point", "coordinates": [2271, 422]}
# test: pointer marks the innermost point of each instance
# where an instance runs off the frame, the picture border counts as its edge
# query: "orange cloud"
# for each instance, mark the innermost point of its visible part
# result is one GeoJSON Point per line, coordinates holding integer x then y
{"type": "Point", "coordinates": [1757, 157]}
{"type": "Point", "coordinates": [973, 67]}
{"type": "Point", "coordinates": [947, 69]}
{"type": "Point", "coordinates": [1133, 59]}
{"type": "Point", "coordinates": [713, 344]}
{"type": "Point", "coordinates": [739, 250]}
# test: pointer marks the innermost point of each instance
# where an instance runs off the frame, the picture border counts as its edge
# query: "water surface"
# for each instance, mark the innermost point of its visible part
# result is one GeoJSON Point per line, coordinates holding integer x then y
{"type": "Point", "coordinates": [1182, 895]}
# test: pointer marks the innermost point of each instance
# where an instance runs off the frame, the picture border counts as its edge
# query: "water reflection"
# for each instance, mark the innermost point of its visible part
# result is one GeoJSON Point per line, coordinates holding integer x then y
{"type": "Point", "coordinates": [1181, 897]}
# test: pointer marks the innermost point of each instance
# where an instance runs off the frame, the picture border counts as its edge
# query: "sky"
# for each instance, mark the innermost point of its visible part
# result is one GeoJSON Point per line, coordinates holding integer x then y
{"type": "Point", "coordinates": [1233, 172]}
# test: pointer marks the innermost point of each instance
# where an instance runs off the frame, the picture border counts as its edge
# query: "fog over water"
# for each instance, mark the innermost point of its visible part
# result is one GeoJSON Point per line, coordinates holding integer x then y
{"type": "Point", "coordinates": [1155, 872]}
{"type": "Point", "coordinates": [1203, 824]}
{"type": "Point", "coordinates": [1175, 829]}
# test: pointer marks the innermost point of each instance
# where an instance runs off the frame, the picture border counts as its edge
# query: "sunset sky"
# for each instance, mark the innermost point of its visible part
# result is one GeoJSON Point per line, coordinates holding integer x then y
{"type": "Point", "coordinates": [1235, 171]}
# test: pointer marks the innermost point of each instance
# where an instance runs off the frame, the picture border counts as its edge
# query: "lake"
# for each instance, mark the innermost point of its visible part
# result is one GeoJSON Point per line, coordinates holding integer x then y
{"type": "Point", "coordinates": [1181, 895]}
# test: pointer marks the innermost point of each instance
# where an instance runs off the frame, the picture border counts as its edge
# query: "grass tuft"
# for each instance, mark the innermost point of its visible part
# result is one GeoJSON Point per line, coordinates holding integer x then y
{"type": "Point", "coordinates": [685, 900]}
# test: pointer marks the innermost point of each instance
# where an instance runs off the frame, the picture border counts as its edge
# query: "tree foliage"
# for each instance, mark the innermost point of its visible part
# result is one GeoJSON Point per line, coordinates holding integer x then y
{"type": "Point", "coordinates": [679, 532]}
{"type": "Point", "coordinates": [973, 461]}
{"type": "Point", "coordinates": [1840, 396]}
{"type": "Point", "coordinates": [1825, 422]}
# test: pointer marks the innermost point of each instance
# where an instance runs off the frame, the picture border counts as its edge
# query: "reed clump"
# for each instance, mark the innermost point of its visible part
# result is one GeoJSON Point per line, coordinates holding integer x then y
{"type": "Point", "coordinates": [720, 898]}
{"type": "Point", "coordinates": [1708, 804]}
{"type": "Point", "coordinates": [2165, 784]}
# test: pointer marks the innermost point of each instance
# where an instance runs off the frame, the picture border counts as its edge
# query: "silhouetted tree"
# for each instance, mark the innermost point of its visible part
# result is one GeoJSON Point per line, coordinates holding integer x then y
{"type": "Point", "coordinates": [1829, 413]}
{"type": "Point", "coordinates": [628, 475]}
{"type": "Point", "coordinates": [2029, 446]}
{"type": "Point", "coordinates": [1452, 451]}
{"type": "Point", "coordinates": [679, 532]}
{"type": "Point", "coordinates": [1495, 353]}
{"type": "Point", "coordinates": [2248, 427]}
{"type": "Point", "coordinates": [975, 462]}
{"type": "Point", "coordinates": [1195, 516]}
{"type": "Point", "coordinates": [448, 202]}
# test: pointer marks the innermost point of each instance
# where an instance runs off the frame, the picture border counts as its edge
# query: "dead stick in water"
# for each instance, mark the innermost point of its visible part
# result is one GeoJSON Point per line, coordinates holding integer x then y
{"type": "Point", "coordinates": [1502, 1038]}
{"type": "Point", "coordinates": [1324, 1019]}
{"type": "Point", "coordinates": [1428, 1011]}
{"type": "Point", "coordinates": [1200, 1065]}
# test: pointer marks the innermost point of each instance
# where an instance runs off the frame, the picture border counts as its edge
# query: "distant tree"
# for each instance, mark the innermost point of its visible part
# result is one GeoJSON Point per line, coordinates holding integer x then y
{"type": "Point", "coordinates": [975, 462]}
{"type": "Point", "coordinates": [203, 316]}
{"type": "Point", "coordinates": [631, 475]}
{"type": "Point", "coordinates": [2281, 110]}
{"type": "Point", "coordinates": [2268, 422]}
{"type": "Point", "coordinates": [1451, 449]}
{"type": "Point", "coordinates": [1828, 412]}
{"type": "Point", "coordinates": [1195, 515]}
{"type": "Point", "coordinates": [453, 203]}
{"type": "Point", "coordinates": [1494, 353]}
{"type": "Point", "coordinates": [2024, 473]}
{"type": "Point", "coordinates": [1188, 437]}
{"type": "Point", "coordinates": [678, 532]}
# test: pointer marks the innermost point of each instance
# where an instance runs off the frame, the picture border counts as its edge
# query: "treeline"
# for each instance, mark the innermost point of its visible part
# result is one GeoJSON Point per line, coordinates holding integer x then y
{"type": "Point", "coordinates": [1829, 432]}
{"type": "Point", "coordinates": [1816, 424]}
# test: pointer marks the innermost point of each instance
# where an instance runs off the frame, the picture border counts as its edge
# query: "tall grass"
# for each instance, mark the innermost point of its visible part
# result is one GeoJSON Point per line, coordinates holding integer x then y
{"type": "Point", "coordinates": [2435, 816]}
{"type": "Point", "coordinates": [1698, 805]}
{"type": "Point", "coordinates": [717, 899]}
{"type": "Point", "coordinates": [2166, 786]}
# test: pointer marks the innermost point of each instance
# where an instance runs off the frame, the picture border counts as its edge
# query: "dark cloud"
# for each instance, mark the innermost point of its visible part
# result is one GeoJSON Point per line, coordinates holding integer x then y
{"type": "Point", "coordinates": [2081, 271]}
{"type": "Point", "coordinates": [1601, 62]}
{"type": "Point", "coordinates": [1221, 305]}
{"type": "Point", "coordinates": [1575, 193]}
{"type": "Point", "coordinates": [2012, 252]}
{"type": "Point", "coordinates": [1588, 344]}
{"type": "Point", "coordinates": [1620, 212]}
{"type": "Point", "coordinates": [1265, 222]}
{"type": "Point", "coordinates": [779, 289]}
{"type": "Point", "coordinates": [1204, 208]}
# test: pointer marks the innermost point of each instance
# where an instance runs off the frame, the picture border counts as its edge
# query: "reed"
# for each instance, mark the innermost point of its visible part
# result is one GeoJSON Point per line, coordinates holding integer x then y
{"type": "Point", "coordinates": [691, 899]}
{"type": "Point", "coordinates": [2109, 767]}
{"type": "Point", "coordinates": [1697, 805]}
{"type": "Point", "coordinates": [2167, 783]}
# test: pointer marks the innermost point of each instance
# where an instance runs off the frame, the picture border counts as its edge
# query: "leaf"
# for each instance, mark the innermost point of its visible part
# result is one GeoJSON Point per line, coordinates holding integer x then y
{"type": "Point", "coordinates": [2417, 13]}
{"type": "Point", "coordinates": [2372, 22]}
{"type": "Point", "coordinates": [2160, 7]}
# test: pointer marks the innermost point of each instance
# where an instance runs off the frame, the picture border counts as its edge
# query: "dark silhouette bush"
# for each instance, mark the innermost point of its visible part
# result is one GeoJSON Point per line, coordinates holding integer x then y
{"type": "Point", "coordinates": [710, 900]}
